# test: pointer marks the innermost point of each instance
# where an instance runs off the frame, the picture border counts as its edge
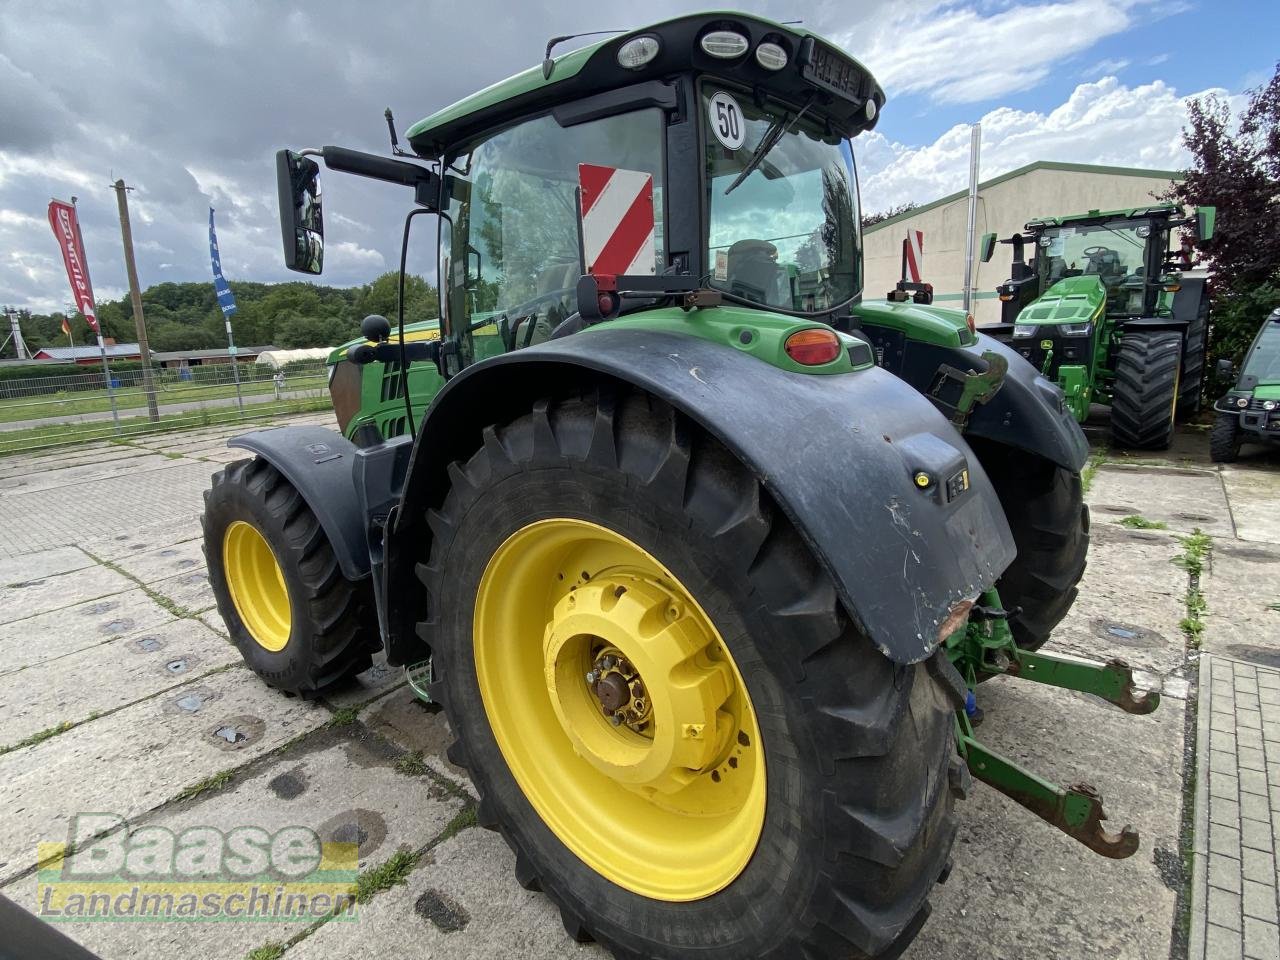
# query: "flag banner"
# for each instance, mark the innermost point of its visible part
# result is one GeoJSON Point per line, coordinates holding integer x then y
{"type": "Point", "coordinates": [226, 299]}
{"type": "Point", "coordinates": [62, 218]}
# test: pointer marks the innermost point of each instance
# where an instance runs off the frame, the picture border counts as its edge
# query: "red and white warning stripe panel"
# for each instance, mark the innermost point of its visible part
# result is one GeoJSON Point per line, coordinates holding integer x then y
{"type": "Point", "coordinates": [913, 254]}
{"type": "Point", "coordinates": [617, 220]}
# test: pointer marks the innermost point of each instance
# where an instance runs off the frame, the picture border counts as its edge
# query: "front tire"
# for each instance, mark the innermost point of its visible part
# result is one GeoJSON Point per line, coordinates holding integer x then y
{"type": "Point", "coordinates": [594, 506]}
{"type": "Point", "coordinates": [1224, 439]}
{"type": "Point", "coordinates": [1146, 390]}
{"type": "Point", "coordinates": [297, 621]}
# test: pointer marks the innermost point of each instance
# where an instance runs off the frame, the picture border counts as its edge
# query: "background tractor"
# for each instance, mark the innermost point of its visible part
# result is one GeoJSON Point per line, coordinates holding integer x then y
{"type": "Point", "coordinates": [1250, 412]}
{"type": "Point", "coordinates": [704, 593]}
{"type": "Point", "coordinates": [1102, 307]}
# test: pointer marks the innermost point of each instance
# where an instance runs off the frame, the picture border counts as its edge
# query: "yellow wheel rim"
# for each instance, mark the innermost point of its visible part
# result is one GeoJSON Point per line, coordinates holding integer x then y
{"type": "Point", "coordinates": [619, 710]}
{"type": "Point", "coordinates": [257, 585]}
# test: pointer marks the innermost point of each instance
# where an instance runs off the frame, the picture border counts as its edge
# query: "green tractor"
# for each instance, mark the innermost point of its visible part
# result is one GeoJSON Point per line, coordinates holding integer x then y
{"type": "Point", "coordinates": [1103, 308]}
{"type": "Point", "coordinates": [703, 556]}
{"type": "Point", "coordinates": [1250, 412]}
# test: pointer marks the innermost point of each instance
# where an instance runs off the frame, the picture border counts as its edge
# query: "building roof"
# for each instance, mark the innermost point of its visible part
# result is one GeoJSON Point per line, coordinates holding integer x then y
{"type": "Point", "coordinates": [89, 352]}
{"type": "Point", "coordinates": [166, 355]}
{"type": "Point", "coordinates": [1021, 171]}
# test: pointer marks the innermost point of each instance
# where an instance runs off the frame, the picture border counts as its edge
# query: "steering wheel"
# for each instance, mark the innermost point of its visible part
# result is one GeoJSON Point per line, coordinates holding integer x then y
{"type": "Point", "coordinates": [1096, 253]}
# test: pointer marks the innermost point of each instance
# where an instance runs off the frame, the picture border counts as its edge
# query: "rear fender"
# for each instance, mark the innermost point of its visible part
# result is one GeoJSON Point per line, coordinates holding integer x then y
{"type": "Point", "coordinates": [838, 454]}
{"type": "Point", "coordinates": [1028, 412]}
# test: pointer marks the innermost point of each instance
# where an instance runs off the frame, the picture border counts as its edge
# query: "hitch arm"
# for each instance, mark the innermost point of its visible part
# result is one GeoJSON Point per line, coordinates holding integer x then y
{"type": "Point", "coordinates": [1076, 811]}
{"type": "Point", "coordinates": [1112, 681]}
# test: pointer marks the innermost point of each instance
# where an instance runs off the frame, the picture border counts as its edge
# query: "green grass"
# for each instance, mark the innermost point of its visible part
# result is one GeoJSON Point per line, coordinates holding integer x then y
{"type": "Point", "coordinates": [72, 402]}
{"type": "Point", "coordinates": [344, 717]}
{"type": "Point", "coordinates": [411, 765]}
{"type": "Point", "coordinates": [213, 782]}
{"type": "Point", "coordinates": [1197, 550]}
{"type": "Point", "coordinates": [1274, 606]}
{"type": "Point", "coordinates": [1138, 522]}
{"type": "Point", "coordinates": [1090, 471]}
{"type": "Point", "coordinates": [61, 434]}
{"type": "Point", "coordinates": [39, 737]}
{"type": "Point", "coordinates": [465, 819]}
{"type": "Point", "coordinates": [271, 950]}
{"type": "Point", "coordinates": [386, 875]}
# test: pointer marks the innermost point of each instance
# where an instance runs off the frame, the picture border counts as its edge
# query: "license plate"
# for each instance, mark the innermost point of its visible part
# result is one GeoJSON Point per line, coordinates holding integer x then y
{"type": "Point", "coordinates": [832, 71]}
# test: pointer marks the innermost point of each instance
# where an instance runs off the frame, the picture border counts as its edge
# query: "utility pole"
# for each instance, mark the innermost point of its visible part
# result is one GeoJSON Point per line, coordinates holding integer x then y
{"type": "Point", "coordinates": [975, 148]}
{"type": "Point", "coordinates": [102, 349]}
{"type": "Point", "coordinates": [135, 296]}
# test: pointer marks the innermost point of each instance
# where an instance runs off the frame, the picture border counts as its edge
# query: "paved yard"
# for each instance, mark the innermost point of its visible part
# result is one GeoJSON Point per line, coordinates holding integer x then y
{"type": "Point", "coordinates": [120, 694]}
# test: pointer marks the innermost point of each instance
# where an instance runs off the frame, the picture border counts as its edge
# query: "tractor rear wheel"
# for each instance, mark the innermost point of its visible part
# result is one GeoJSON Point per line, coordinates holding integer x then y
{"type": "Point", "coordinates": [1224, 439]}
{"type": "Point", "coordinates": [297, 621]}
{"type": "Point", "coordinates": [662, 705]}
{"type": "Point", "coordinates": [1145, 395]}
{"type": "Point", "coordinates": [1044, 504]}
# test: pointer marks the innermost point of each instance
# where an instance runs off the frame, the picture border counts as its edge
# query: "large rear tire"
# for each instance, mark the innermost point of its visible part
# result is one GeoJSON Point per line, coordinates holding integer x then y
{"type": "Point", "coordinates": [1225, 439]}
{"type": "Point", "coordinates": [297, 621]}
{"type": "Point", "coordinates": [1148, 368]}
{"type": "Point", "coordinates": [819, 824]}
{"type": "Point", "coordinates": [1044, 504]}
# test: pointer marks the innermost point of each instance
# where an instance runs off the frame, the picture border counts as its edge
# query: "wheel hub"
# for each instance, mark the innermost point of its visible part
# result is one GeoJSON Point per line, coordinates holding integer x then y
{"type": "Point", "coordinates": [648, 714]}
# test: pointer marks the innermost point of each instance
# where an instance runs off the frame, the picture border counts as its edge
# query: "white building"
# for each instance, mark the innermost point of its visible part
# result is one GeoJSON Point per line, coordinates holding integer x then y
{"type": "Point", "coordinates": [1005, 204]}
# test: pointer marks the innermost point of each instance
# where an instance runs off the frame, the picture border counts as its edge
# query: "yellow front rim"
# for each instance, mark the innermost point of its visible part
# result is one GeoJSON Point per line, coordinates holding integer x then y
{"type": "Point", "coordinates": [619, 710]}
{"type": "Point", "coordinates": [257, 585]}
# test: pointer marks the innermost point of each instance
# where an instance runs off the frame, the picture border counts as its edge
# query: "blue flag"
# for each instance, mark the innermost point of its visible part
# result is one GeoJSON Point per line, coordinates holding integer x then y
{"type": "Point", "coordinates": [226, 299]}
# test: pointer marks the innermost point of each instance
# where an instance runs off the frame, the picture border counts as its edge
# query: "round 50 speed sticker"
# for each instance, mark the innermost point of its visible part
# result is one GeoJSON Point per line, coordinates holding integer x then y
{"type": "Point", "coordinates": [727, 122]}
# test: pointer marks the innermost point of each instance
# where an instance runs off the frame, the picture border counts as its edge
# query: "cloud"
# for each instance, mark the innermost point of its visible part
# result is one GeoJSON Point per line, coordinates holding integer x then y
{"type": "Point", "coordinates": [1108, 67]}
{"type": "Point", "coordinates": [958, 54]}
{"type": "Point", "coordinates": [1103, 122]}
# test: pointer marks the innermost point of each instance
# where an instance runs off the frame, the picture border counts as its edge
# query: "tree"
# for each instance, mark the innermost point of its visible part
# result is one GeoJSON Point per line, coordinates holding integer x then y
{"type": "Point", "coordinates": [868, 219]}
{"type": "Point", "coordinates": [381, 297]}
{"type": "Point", "coordinates": [1236, 168]}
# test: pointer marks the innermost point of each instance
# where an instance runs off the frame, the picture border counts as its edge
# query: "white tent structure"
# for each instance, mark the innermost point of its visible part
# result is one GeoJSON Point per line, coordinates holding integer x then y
{"type": "Point", "coordinates": [278, 358]}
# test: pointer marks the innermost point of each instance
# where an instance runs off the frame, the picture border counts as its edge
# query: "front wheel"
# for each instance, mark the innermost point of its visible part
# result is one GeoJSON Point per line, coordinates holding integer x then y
{"type": "Point", "coordinates": [1224, 439]}
{"type": "Point", "coordinates": [1145, 395]}
{"type": "Point", "coordinates": [297, 621]}
{"type": "Point", "coordinates": [663, 708]}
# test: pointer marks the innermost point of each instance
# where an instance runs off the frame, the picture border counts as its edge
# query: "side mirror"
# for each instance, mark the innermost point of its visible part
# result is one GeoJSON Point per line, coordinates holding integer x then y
{"type": "Point", "coordinates": [1205, 218]}
{"type": "Point", "coordinates": [987, 247]}
{"type": "Point", "coordinates": [1226, 369]}
{"type": "Point", "coordinates": [301, 220]}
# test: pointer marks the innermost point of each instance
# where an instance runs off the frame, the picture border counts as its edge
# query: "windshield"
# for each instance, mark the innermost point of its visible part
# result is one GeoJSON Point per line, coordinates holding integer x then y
{"type": "Point", "coordinates": [787, 235]}
{"type": "Point", "coordinates": [1263, 361]}
{"type": "Point", "coordinates": [1112, 253]}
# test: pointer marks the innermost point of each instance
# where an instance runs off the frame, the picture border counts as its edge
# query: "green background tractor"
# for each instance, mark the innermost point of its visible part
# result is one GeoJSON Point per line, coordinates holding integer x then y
{"type": "Point", "coordinates": [1101, 305]}
{"type": "Point", "coordinates": [1250, 412]}
{"type": "Point", "coordinates": [704, 559]}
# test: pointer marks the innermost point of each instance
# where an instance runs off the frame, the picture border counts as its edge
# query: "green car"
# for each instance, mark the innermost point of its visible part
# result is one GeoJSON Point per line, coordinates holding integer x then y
{"type": "Point", "coordinates": [1250, 412]}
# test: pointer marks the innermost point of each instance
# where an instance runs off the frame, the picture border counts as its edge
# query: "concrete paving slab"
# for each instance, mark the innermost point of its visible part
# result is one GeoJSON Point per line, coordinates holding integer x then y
{"type": "Point", "coordinates": [462, 903]}
{"type": "Point", "coordinates": [45, 563]}
{"type": "Point", "coordinates": [416, 727]}
{"type": "Point", "coordinates": [140, 462]}
{"type": "Point", "coordinates": [213, 620]}
{"type": "Point", "coordinates": [134, 760]}
{"type": "Point", "coordinates": [19, 464]}
{"type": "Point", "coordinates": [109, 675]}
{"type": "Point", "coordinates": [48, 636]}
{"type": "Point", "coordinates": [338, 785]}
{"type": "Point", "coordinates": [164, 562]}
{"type": "Point", "coordinates": [1241, 587]}
{"type": "Point", "coordinates": [26, 598]}
{"type": "Point", "coordinates": [1022, 889]}
{"type": "Point", "coordinates": [190, 590]}
{"type": "Point", "coordinates": [1131, 600]}
{"type": "Point", "coordinates": [151, 536]}
{"type": "Point", "coordinates": [1181, 497]}
{"type": "Point", "coordinates": [1254, 493]}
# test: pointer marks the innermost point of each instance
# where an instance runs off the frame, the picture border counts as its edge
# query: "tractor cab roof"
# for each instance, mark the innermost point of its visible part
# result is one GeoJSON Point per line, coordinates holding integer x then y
{"type": "Point", "coordinates": [1165, 210]}
{"type": "Point", "coordinates": [843, 91]}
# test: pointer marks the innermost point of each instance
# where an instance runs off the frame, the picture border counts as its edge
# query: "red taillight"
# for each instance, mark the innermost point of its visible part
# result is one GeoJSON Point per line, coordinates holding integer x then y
{"type": "Point", "coordinates": [972, 324]}
{"type": "Point", "coordinates": [813, 347]}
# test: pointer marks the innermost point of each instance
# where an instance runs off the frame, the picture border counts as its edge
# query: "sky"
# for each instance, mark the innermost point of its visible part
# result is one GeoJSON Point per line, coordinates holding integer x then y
{"type": "Point", "coordinates": [187, 101]}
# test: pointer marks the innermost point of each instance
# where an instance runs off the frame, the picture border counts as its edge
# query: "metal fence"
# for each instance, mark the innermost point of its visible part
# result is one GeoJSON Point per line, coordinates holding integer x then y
{"type": "Point", "coordinates": [39, 412]}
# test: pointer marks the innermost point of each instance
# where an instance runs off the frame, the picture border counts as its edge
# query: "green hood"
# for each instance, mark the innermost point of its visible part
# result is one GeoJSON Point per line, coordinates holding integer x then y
{"type": "Point", "coordinates": [1073, 300]}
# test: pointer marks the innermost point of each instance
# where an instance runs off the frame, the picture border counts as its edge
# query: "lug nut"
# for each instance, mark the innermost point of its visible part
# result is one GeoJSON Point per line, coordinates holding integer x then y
{"type": "Point", "coordinates": [616, 719]}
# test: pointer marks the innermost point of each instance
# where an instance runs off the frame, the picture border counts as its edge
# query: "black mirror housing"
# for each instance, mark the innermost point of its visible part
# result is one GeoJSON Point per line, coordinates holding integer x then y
{"type": "Point", "coordinates": [1226, 368]}
{"type": "Point", "coordinates": [301, 217]}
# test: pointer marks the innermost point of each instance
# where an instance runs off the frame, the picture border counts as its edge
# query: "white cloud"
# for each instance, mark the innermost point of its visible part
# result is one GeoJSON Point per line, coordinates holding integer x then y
{"type": "Point", "coordinates": [963, 54]}
{"type": "Point", "coordinates": [1103, 122]}
{"type": "Point", "coordinates": [1108, 67]}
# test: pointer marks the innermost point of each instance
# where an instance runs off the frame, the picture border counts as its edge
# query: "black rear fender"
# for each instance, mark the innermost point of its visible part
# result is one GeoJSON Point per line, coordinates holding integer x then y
{"type": "Point", "coordinates": [839, 454]}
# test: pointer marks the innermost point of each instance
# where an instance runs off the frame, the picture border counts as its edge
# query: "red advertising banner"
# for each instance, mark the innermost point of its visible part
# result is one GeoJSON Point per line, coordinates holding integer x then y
{"type": "Point", "coordinates": [62, 217]}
